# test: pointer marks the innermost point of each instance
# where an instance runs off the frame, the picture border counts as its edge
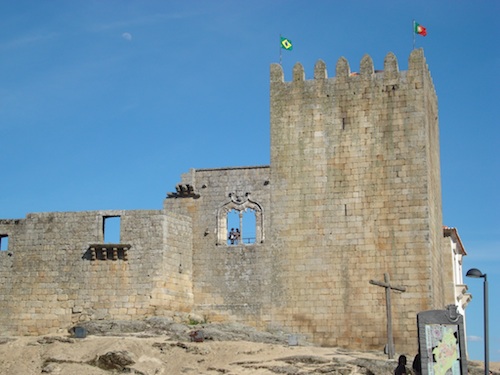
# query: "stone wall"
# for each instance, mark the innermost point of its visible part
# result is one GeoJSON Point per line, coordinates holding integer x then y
{"type": "Point", "coordinates": [228, 280]}
{"type": "Point", "coordinates": [49, 280]}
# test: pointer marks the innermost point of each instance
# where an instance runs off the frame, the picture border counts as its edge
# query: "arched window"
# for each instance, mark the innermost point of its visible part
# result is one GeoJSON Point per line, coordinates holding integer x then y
{"type": "Point", "coordinates": [240, 222]}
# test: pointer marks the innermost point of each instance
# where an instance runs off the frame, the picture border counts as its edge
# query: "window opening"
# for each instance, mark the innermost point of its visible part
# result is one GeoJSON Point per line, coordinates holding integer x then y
{"type": "Point", "coordinates": [111, 229]}
{"type": "Point", "coordinates": [4, 242]}
{"type": "Point", "coordinates": [241, 227]}
{"type": "Point", "coordinates": [242, 216]}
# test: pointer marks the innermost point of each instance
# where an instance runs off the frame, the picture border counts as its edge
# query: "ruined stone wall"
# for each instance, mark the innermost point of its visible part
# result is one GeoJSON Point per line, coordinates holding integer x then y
{"type": "Point", "coordinates": [49, 281]}
{"type": "Point", "coordinates": [356, 194]}
{"type": "Point", "coordinates": [229, 281]}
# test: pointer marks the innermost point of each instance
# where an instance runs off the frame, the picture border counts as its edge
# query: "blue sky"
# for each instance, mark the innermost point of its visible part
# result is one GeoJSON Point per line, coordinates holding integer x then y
{"type": "Point", "coordinates": [103, 104]}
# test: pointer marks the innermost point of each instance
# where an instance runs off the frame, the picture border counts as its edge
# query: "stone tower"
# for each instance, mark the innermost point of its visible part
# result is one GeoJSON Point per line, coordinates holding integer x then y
{"type": "Point", "coordinates": [356, 193]}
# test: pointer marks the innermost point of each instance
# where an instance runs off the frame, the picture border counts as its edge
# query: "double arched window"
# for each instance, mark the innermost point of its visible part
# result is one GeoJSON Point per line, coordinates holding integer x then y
{"type": "Point", "coordinates": [239, 221]}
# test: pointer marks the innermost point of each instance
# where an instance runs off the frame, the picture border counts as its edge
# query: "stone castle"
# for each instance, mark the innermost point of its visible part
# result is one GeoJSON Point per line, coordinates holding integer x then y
{"type": "Point", "coordinates": [352, 192]}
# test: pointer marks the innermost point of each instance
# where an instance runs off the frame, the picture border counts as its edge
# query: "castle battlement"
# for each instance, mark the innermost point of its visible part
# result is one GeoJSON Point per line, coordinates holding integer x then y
{"type": "Point", "coordinates": [418, 71]}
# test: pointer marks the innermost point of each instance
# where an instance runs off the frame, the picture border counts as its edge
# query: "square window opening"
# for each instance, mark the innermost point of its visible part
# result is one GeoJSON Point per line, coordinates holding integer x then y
{"type": "Point", "coordinates": [4, 242]}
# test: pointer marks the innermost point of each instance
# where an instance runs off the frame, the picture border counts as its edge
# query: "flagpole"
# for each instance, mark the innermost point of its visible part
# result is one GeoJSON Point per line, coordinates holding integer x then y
{"type": "Point", "coordinates": [413, 34]}
{"type": "Point", "coordinates": [280, 49]}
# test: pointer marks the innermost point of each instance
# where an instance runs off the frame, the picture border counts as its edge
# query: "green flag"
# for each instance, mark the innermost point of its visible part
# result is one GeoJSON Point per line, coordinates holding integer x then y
{"type": "Point", "coordinates": [286, 44]}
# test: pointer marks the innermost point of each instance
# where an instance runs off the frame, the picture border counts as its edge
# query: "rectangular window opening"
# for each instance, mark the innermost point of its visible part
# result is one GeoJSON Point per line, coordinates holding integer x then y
{"type": "Point", "coordinates": [4, 242]}
{"type": "Point", "coordinates": [111, 229]}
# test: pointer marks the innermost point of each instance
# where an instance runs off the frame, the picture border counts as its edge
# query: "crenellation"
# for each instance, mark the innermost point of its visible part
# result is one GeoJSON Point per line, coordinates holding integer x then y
{"type": "Point", "coordinates": [298, 72]}
{"type": "Point", "coordinates": [277, 74]}
{"type": "Point", "coordinates": [366, 68]}
{"type": "Point", "coordinates": [391, 69]}
{"type": "Point", "coordinates": [320, 70]}
{"type": "Point", "coordinates": [342, 69]}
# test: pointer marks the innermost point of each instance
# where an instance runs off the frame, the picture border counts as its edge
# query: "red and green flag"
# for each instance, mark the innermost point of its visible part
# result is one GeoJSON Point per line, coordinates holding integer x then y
{"type": "Point", "coordinates": [420, 30]}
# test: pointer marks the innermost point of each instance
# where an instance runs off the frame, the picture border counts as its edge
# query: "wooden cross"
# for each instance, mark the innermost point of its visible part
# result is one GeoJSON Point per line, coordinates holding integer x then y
{"type": "Point", "coordinates": [387, 285]}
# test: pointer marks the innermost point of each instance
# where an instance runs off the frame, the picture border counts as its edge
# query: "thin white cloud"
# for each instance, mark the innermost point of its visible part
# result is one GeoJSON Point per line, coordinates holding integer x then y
{"type": "Point", "coordinates": [474, 338]}
{"type": "Point", "coordinates": [149, 19]}
{"type": "Point", "coordinates": [26, 39]}
{"type": "Point", "coordinates": [484, 250]}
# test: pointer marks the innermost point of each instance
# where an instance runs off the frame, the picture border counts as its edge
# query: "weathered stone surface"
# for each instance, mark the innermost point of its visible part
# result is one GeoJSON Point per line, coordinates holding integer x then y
{"type": "Point", "coordinates": [115, 360]}
{"type": "Point", "coordinates": [146, 353]}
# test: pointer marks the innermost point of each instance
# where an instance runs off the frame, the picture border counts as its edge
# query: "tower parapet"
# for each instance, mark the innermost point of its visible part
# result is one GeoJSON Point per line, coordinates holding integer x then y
{"type": "Point", "coordinates": [416, 63]}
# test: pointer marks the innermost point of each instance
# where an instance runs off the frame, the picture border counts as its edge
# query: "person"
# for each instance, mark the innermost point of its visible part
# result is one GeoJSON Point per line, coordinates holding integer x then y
{"type": "Point", "coordinates": [401, 369]}
{"type": "Point", "coordinates": [232, 236]}
{"type": "Point", "coordinates": [417, 366]}
{"type": "Point", "coordinates": [237, 235]}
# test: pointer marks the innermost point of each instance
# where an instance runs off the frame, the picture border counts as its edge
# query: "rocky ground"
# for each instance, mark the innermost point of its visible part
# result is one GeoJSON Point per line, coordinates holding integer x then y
{"type": "Point", "coordinates": [165, 346]}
